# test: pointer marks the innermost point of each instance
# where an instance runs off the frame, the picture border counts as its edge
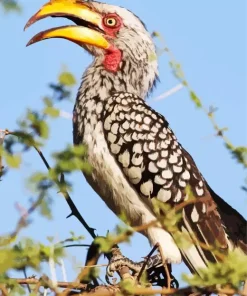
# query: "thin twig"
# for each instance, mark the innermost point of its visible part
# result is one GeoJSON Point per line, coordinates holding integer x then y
{"type": "Point", "coordinates": [108, 291]}
{"type": "Point", "coordinates": [146, 262]}
{"type": "Point", "coordinates": [23, 220]}
{"type": "Point", "coordinates": [63, 269]}
{"type": "Point", "coordinates": [91, 266]}
{"type": "Point", "coordinates": [33, 281]}
{"type": "Point", "coordinates": [245, 288]}
{"type": "Point", "coordinates": [76, 245]}
{"type": "Point", "coordinates": [3, 290]}
{"type": "Point", "coordinates": [74, 210]}
{"type": "Point", "coordinates": [53, 267]}
{"type": "Point", "coordinates": [25, 275]}
{"type": "Point", "coordinates": [104, 291]}
{"type": "Point", "coordinates": [2, 136]}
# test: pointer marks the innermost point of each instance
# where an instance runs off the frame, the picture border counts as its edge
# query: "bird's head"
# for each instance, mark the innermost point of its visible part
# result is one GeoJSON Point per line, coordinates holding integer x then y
{"type": "Point", "coordinates": [116, 38]}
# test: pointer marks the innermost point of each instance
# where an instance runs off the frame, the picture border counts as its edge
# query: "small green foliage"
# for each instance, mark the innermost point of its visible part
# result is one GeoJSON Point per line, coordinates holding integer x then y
{"type": "Point", "coordinates": [15, 288]}
{"type": "Point", "coordinates": [73, 158]}
{"type": "Point", "coordinates": [45, 207]}
{"type": "Point", "coordinates": [67, 78]}
{"type": "Point", "coordinates": [49, 108]}
{"type": "Point", "coordinates": [38, 124]}
{"type": "Point", "coordinates": [32, 132]}
{"type": "Point", "coordinates": [123, 230]}
{"type": "Point", "coordinates": [13, 161]}
{"type": "Point", "coordinates": [177, 70]}
{"type": "Point", "coordinates": [195, 99]}
{"type": "Point", "coordinates": [144, 280]}
{"type": "Point", "coordinates": [10, 6]}
{"type": "Point", "coordinates": [167, 216]}
{"type": "Point", "coordinates": [73, 238]}
{"type": "Point", "coordinates": [152, 57]}
{"type": "Point", "coordinates": [92, 273]}
{"type": "Point", "coordinates": [62, 89]}
{"type": "Point", "coordinates": [232, 271]}
{"type": "Point", "coordinates": [239, 153]}
{"type": "Point", "coordinates": [155, 34]}
{"type": "Point", "coordinates": [27, 253]}
{"type": "Point", "coordinates": [105, 243]}
{"type": "Point", "coordinates": [124, 218]}
{"type": "Point", "coordinates": [52, 112]}
{"type": "Point", "coordinates": [127, 286]}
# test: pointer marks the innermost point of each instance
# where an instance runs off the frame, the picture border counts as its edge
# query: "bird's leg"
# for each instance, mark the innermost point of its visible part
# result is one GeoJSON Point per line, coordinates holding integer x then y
{"type": "Point", "coordinates": [164, 263]}
{"type": "Point", "coordinates": [122, 265]}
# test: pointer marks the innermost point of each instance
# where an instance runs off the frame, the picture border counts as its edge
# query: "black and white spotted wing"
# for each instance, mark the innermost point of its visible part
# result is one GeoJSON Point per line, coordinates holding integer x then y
{"type": "Point", "coordinates": [156, 165]}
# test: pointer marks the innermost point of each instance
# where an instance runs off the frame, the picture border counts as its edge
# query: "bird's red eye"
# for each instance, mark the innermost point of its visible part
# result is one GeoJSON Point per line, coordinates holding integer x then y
{"type": "Point", "coordinates": [111, 21]}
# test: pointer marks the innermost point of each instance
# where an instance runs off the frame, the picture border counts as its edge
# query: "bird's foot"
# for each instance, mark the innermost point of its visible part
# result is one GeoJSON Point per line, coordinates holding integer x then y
{"type": "Point", "coordinates": [167, 266]}
{"type": "Point", "coordinates": [117, 262]}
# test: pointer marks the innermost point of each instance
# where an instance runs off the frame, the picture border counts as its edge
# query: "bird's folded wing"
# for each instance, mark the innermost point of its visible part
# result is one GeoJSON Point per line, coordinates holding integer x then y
{"type": "Point", "coordinates": [157, 166]}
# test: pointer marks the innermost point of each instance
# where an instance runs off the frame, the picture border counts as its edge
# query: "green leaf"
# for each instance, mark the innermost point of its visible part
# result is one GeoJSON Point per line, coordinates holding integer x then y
{"type": "Point", "coordinates": [195, 99]}
{"type": "Point", "coordinates": [45, 208]}
{"type": "Point", "coordinates": [152, 57]}
{"type": "Point", "coordinates": [105, 243]}
{"type": "Point", "coordinates": [13, 161]}
{"type": "Point", "coordinates": [231, 271]}
{"type": "Point", "coordinates": [67, 78]}
{"type": "Point", "coordinates": [155, 34]}
{"type": "Point", "coordinates": [52, 112]}
{"type": "Point", "coordinates": [10, 5]}
{"type": "Point", "coordinates": [44, 129]}
{"type": "Point", "coordinates": [48, 102]}
{"type": "Point", "coordinates": [239, 153]}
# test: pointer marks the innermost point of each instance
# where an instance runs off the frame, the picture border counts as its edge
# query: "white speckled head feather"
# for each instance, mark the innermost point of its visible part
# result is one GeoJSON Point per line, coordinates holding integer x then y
{"type": "Point", "coordinates": [139, 66]}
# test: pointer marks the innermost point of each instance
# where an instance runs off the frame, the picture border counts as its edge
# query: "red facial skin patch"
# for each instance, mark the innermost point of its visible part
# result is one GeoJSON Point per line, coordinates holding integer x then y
{"type": "Point", "coordinates": [112, 59]}
{"type": "Point", "coordinates": [113, 55]}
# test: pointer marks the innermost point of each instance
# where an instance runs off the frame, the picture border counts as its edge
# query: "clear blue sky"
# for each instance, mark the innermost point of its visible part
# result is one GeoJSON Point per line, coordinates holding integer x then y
{"type": "Point", "coordinates": [207, 37]}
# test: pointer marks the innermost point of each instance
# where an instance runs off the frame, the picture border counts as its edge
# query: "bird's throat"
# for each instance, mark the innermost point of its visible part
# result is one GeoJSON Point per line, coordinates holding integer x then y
{"type": "Point", "coordinates": [112, 59]}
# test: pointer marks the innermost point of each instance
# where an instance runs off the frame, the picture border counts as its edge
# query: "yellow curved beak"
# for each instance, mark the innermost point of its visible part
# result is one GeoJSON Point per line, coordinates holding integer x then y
{"type": "Point", "coordinates": [89, 33]}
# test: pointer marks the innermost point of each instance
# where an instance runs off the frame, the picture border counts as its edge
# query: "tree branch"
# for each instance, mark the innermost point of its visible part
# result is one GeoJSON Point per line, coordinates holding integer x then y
{"type": "Point", "coordinates": [74, 210]}
{"type": "Point", "coordinates": [34, 281]}
{"type": "Point", "coordinates": [104, 290]}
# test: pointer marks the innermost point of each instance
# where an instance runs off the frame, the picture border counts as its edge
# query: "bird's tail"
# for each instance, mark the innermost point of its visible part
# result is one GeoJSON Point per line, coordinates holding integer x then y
{"type": "Point", "coordinates": [235, 224]}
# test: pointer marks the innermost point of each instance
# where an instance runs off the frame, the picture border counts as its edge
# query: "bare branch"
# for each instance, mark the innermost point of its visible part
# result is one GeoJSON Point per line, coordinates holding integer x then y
{"type": "Point", "coordinates": [104, 290]}
{"type": "Point", "coordinates": [34, 281]}
{"type": "Point", "coordinates": [74, 210]}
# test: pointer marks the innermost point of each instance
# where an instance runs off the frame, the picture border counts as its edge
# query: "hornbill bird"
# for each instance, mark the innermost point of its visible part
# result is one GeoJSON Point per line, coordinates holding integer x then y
{"type": "Point", "coordinates": [135, 156]}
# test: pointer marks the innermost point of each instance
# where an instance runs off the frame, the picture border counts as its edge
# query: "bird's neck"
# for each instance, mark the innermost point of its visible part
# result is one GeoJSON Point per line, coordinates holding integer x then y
{"type": "Point", "coordinates": [134, 77]}
{"type": "Point", "coordinates": [97, 86]}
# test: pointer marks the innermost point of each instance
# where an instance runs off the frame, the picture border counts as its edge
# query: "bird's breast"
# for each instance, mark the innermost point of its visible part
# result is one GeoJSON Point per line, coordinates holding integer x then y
{"type": "Point", "coordinates": [108, 180]}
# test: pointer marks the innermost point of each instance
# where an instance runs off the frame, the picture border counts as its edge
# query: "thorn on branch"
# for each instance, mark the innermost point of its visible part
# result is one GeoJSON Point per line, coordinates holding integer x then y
{"type": "Point", "coordinates": [70, 215]}
{"type": "Point", "coordinates": [74, 210]}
